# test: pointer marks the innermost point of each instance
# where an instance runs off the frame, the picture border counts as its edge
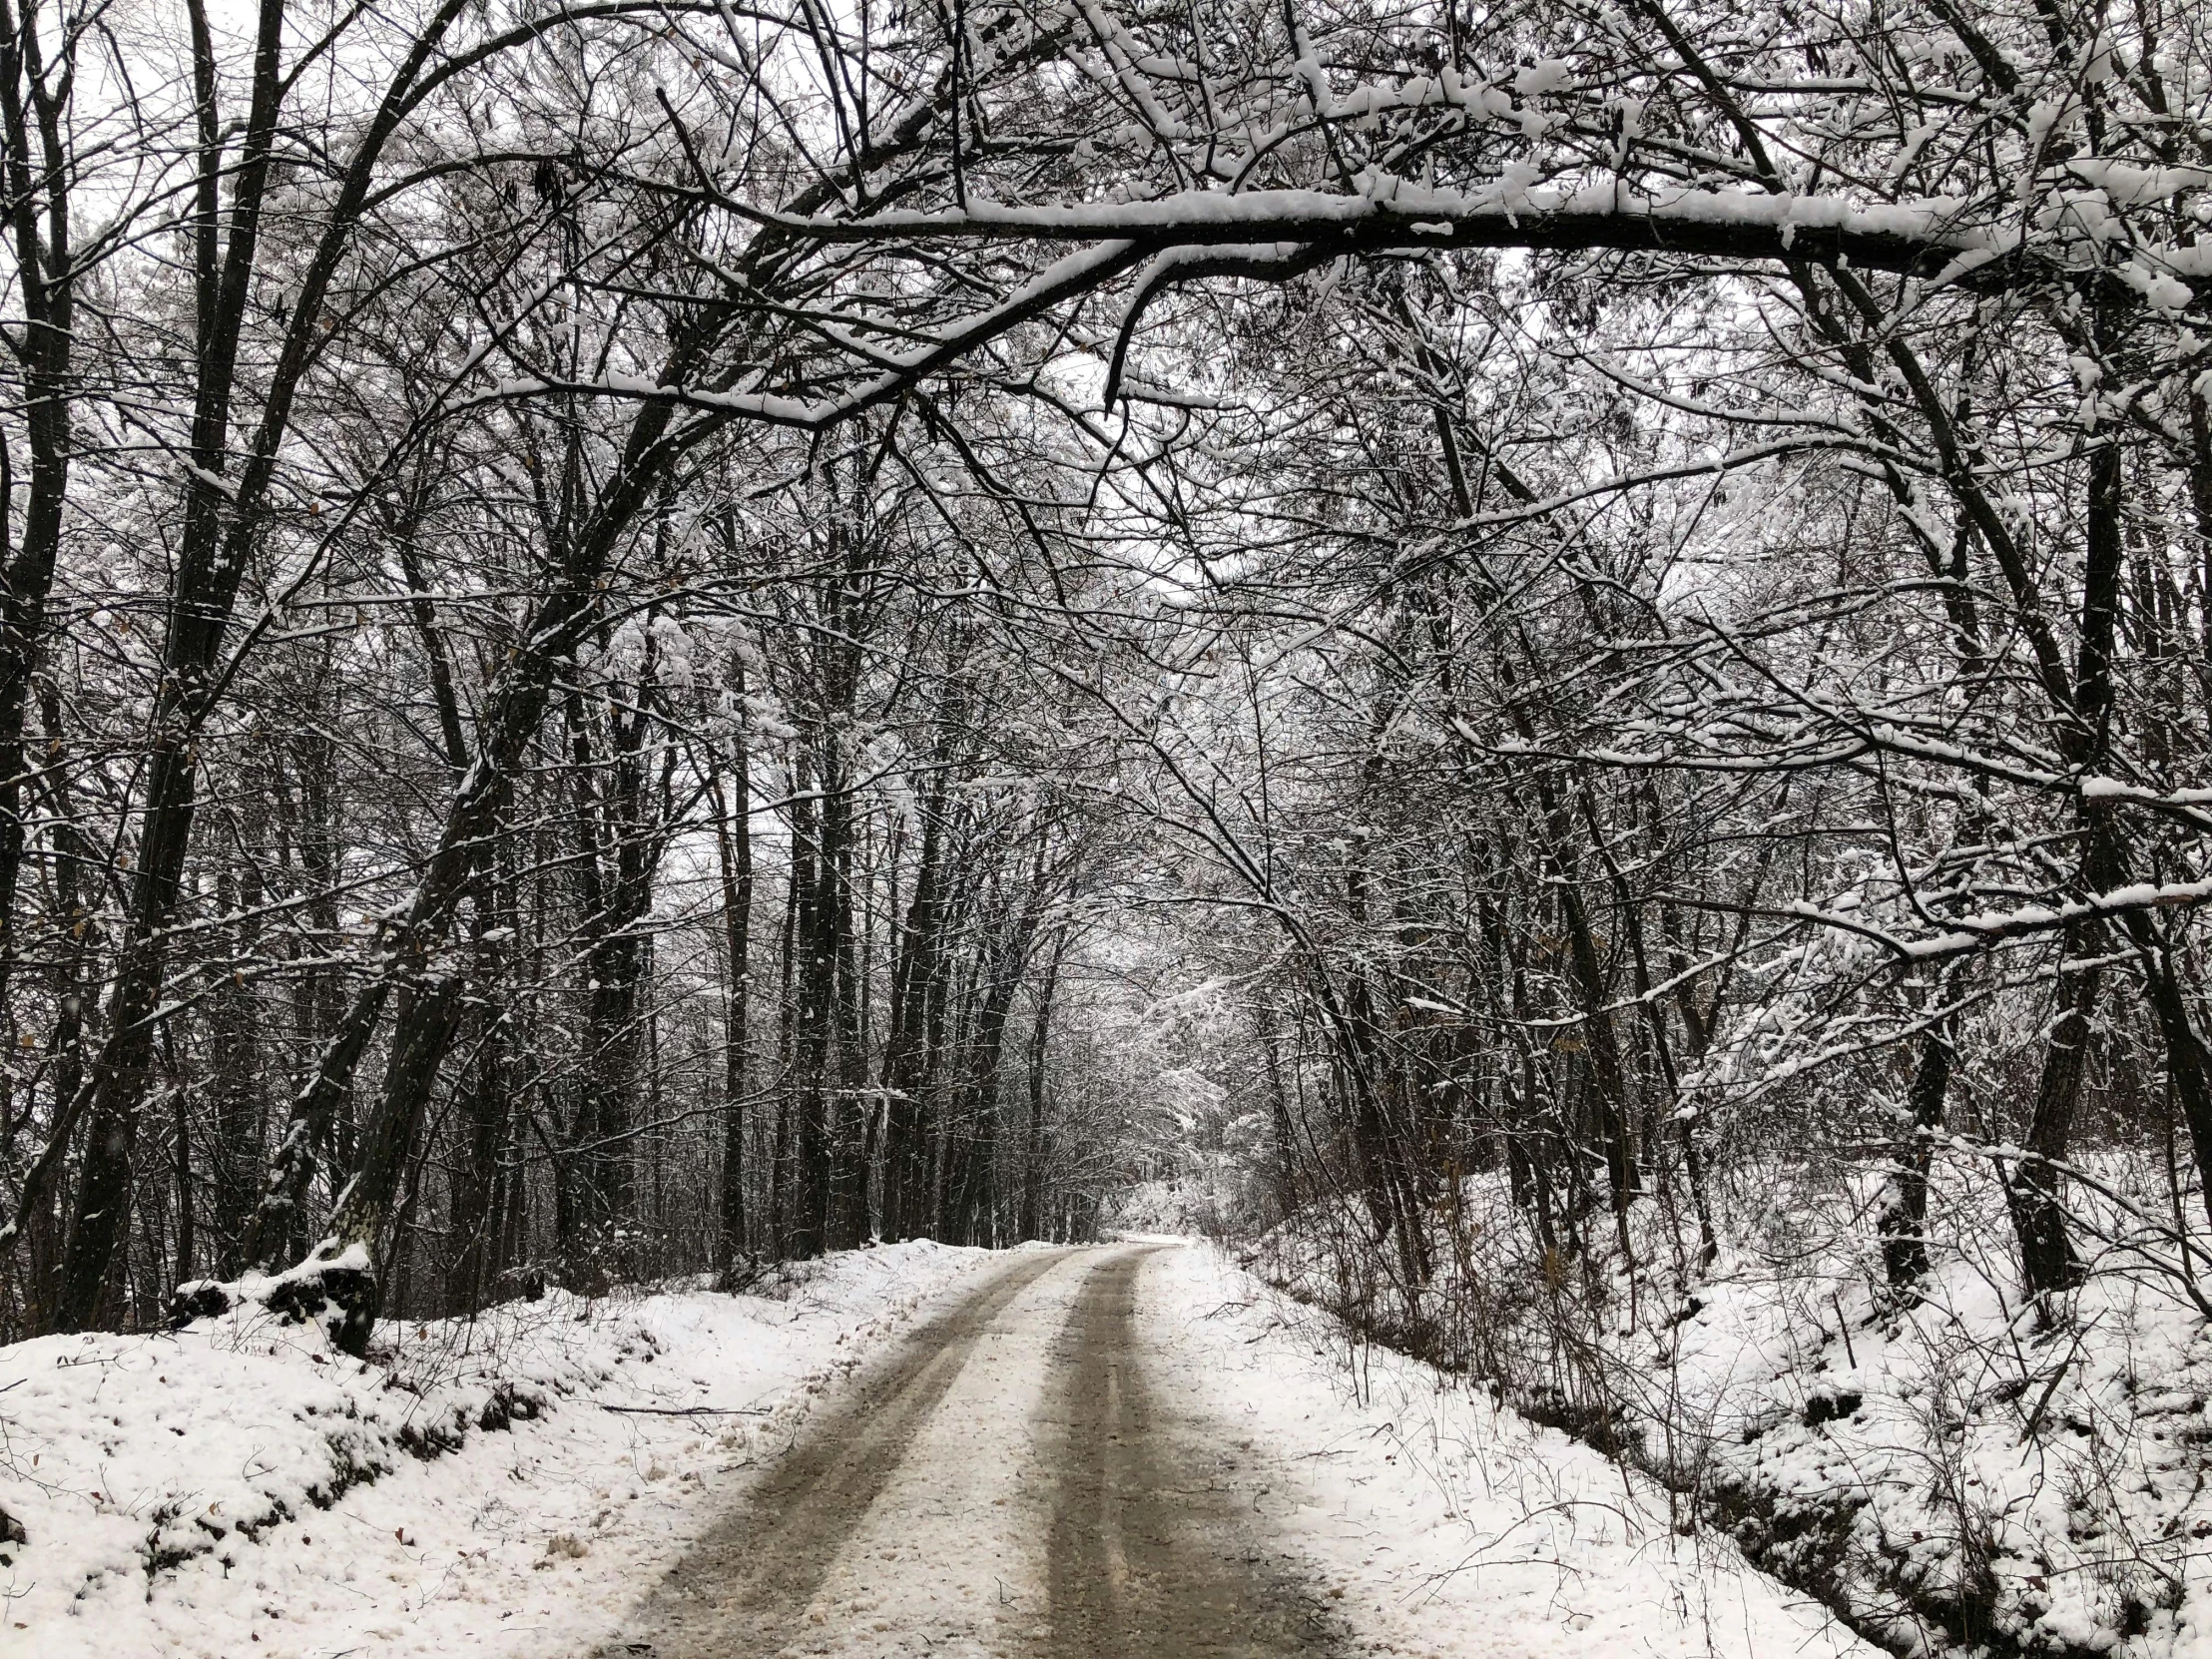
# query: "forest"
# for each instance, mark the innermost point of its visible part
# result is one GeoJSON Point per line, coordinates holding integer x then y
{"type": "Point", "coordinates": [1549, 663]}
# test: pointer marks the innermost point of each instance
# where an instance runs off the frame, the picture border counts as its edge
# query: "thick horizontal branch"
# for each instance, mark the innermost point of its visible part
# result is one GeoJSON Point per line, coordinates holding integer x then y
{"type": "Point", "coordinates": [1919, 238]}
{"type": "Point", "coordinates": [1971, 934]}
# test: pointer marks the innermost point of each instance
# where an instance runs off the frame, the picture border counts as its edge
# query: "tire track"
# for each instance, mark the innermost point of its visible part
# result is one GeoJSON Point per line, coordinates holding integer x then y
{"type": "Point", "coordinates": [1128, 1532]}
{"type": "Point", "coordinates": [741, 1591]}
{"type": "Point", "coordinates": [1150, 1556]}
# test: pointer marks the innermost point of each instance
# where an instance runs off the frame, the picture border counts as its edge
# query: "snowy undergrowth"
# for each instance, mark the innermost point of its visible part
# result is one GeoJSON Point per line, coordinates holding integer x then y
{"type": "Point", "coordinates": [1948, 1470]}
{"type": "Point", "coordinates": [1444, 1525]}
{"type": "Point", "coordinates": [1194, 1205]}
{"type": "Point", "coordinates": [1947, 1474]}
{"type": "Point", "coordinates": [505, 1484]}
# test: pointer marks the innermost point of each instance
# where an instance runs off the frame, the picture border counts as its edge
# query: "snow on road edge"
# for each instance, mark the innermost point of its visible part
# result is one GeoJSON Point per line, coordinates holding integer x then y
{"type": "Point", "coordinates": [527, 1539]}
{"type": "Point", "coordinates": [1445, 1526]}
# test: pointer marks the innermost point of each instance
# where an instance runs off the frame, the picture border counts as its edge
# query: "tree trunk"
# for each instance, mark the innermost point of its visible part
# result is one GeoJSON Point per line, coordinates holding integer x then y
{"type": "Point", "coordinates": [235, 1076]}
{"type": "Point", "coordinates": [813, 987]}
{"type": "Point", "coordinates": [2032, 1187]}
{"type": "Point", "coordinates": [734, 849]}
{"type": "Point", "coordinates": [908, 1055]}
{"type": "Point", "coordinates": [39, 175]}
{"type": "Point", "coordinates": [484, 1103]}
{"type": "Point", "coordinates": [1031, 1219]}
{"type": "Point", "coordinates": [366, 1224]}
{"type": "Point", "coordinates": [1901, 1215]}
{"type": "Point", "coordinates": [844, 1204]}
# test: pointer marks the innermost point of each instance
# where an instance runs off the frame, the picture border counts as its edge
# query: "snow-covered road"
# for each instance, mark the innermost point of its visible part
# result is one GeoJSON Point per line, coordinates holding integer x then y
{"type": "Point", "coordinates": [1005, 1485]}
{"type": "Point", "coordinates": [1131, 1452]}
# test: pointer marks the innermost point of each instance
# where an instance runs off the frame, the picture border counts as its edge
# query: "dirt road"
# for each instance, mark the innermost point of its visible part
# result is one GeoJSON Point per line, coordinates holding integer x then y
{"type": "Point", "coordinates": [1004, 1485]}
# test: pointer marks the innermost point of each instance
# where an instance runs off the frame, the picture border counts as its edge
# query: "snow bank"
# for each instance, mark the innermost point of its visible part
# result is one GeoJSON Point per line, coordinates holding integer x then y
{"type": "Point", "coordinates": [1946, 1473]}
{"type": "Point", "coordinates": [502, 1485]}
{"type": "Point", "coordinates": [1446, 1526]}
{"type": "Point", "coordinates": [1951, 1469]}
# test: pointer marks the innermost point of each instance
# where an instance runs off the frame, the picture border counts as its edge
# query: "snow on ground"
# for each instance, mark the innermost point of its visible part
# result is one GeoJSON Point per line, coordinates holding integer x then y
{"type": "Point", "coordinates": [239, 1486]}
{"type": "Point", "coordinates": [1448, 1528]}
{"type": "Point", "coordinates": [1951, 1472]}
{"type": "Point", "coordinates": [1950, 1464]}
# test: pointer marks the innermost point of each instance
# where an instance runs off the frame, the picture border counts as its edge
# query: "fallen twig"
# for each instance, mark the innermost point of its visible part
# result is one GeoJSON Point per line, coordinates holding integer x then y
{"type": "Point", "coordinates": [685, 1411]}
